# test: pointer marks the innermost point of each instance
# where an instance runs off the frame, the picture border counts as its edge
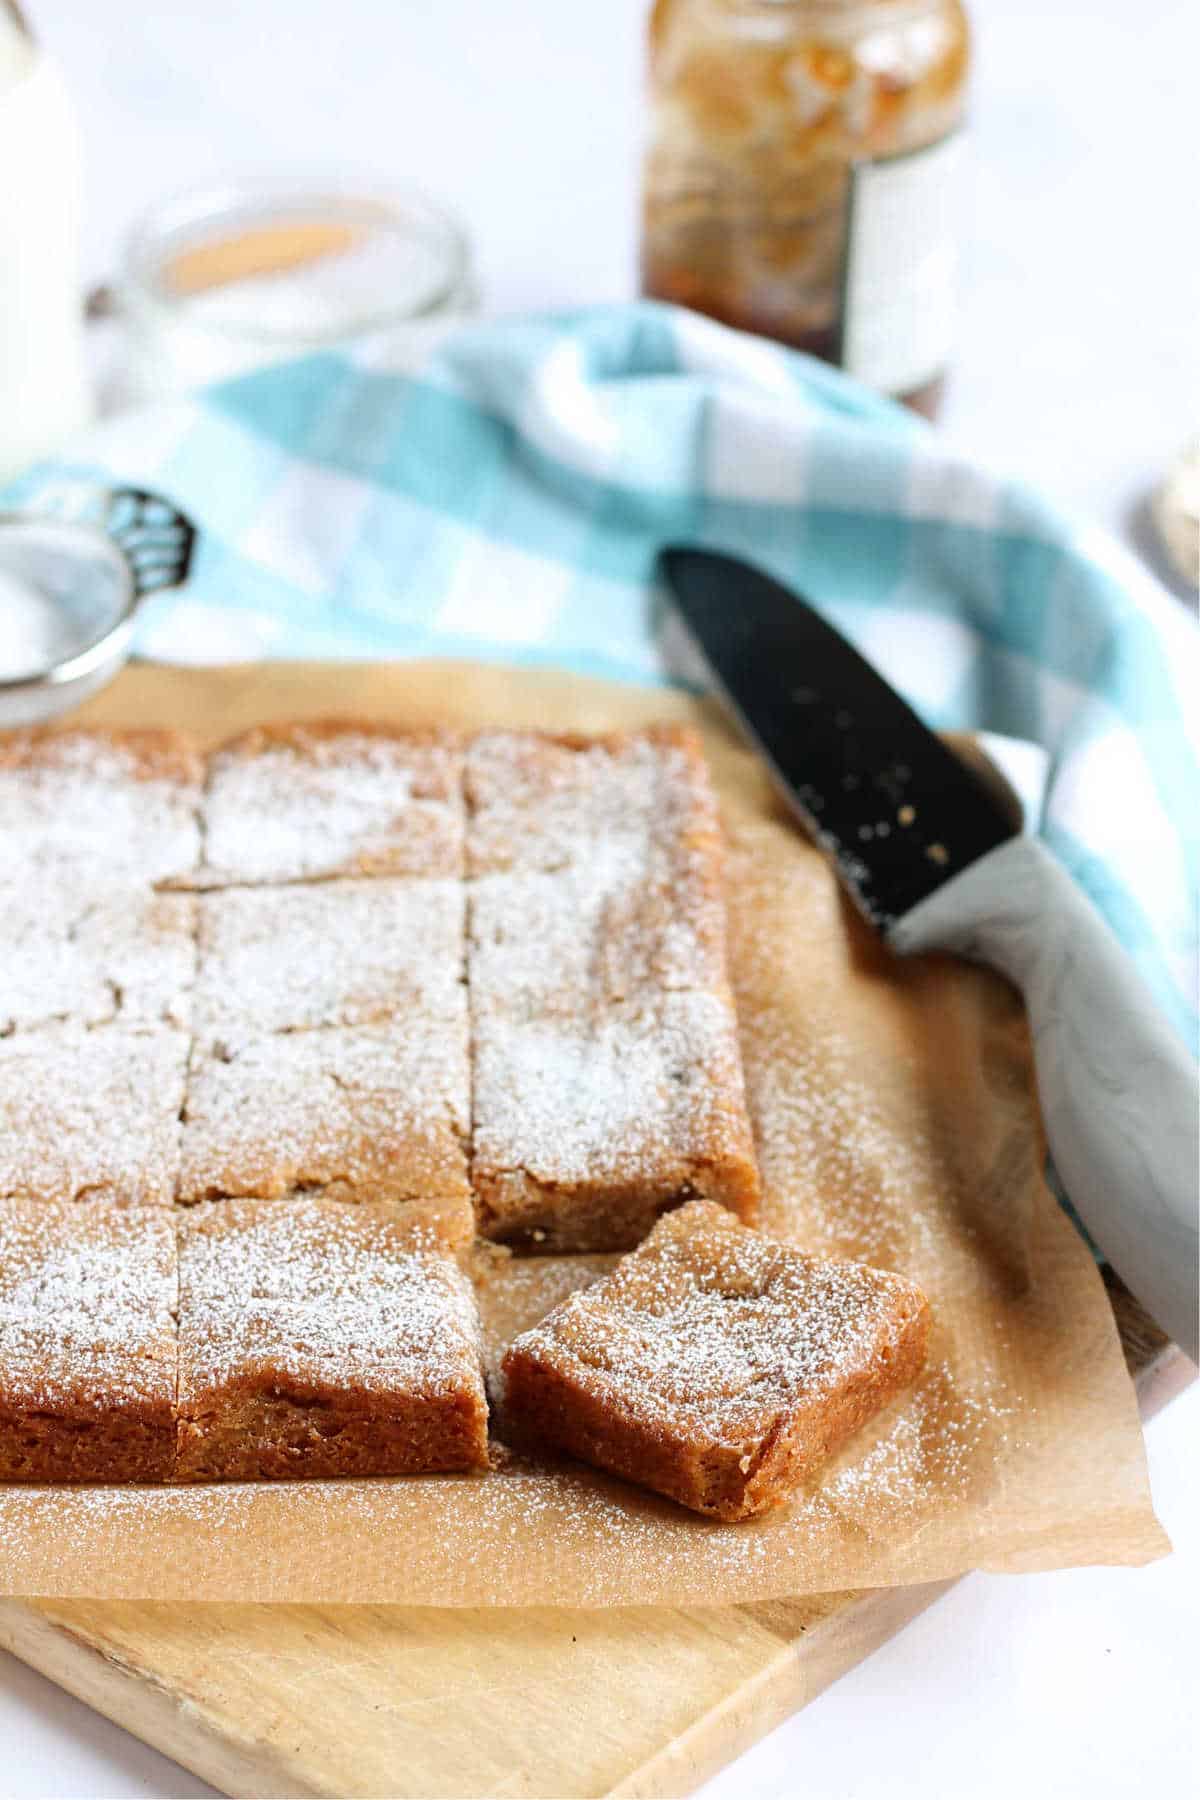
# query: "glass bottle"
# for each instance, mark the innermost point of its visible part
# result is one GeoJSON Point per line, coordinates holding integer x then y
{"type": "Point", "coordinates": [44, 393]}
{"type": "Point", "coordinates": [800, 176]}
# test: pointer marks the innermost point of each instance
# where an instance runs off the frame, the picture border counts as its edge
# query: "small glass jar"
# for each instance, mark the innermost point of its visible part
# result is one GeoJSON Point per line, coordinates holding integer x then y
{"type": "Point", "coordinates": [224, 280]}
{"type": "Point", "coordinates": [800, 175]}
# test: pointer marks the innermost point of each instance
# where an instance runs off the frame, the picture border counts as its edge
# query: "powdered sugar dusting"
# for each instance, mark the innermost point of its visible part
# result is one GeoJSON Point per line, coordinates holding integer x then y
{"type": "Point", "coordinates": [91, 1114]}
{"type": "Point", "coordinates": [372, 1112]}
{"type": "Point", "coordinates": [355, 1298]}
{"type": "Point", "coordinates": [625, 807]}
{"type": "Point", "coordinates": [619, 1098]}
{"type": "Point", "coordinates": [304, 803]}
{"type": "Point", "coordinates": [826, 1155]}
{"type": "Point", "coordinates": [711, 1332]}
{"type": "Point", "coordinates": [86, 1305]}
{"type": "Point", "coordinates": [851, 1169]}
{"type": "Point", "coordinates": [576, 942]}
{"type": "Point", "coordinates": [933, 1452]}
{"type": "Point", "coordinates": [364, 951]}
{"type": "Point", "coordinates": [604, 1040]}
{"type": "Point", "coordinates": [116, 807]}
{"type": "Point", "coordinates": [88, 952]}
{"type": "Point", "coordinates": [515, 1293]}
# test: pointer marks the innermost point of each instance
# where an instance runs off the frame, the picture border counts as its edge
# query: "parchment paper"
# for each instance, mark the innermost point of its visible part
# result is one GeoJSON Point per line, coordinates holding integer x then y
{"type": "Point", "coordinates": [896, 1122]}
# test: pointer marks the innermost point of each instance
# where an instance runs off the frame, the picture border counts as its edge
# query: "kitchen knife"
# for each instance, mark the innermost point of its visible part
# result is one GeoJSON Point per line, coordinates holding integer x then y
{"type": "Point", "coordinates": [935, 863]}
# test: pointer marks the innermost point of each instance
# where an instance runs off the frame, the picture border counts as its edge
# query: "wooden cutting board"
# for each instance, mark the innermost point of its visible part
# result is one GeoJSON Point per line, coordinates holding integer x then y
{"type": "Point", "coordinates": [418, 1703]}
{"type": "Point", "coordinates": [423, 1703]}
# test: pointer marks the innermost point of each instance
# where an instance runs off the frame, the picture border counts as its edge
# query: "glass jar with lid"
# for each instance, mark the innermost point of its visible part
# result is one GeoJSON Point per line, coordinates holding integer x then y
{"type": "Point", "coordinates": [224, 280]}
{"type": "Point", "coordinates": [800, 175]}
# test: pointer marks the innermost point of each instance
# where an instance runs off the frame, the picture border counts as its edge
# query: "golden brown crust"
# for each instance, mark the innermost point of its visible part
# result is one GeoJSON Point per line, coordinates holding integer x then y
{"type": "Point", "coordinates": [318, 1436]}
{"type": "Point", "coordinates": [715, 1366]}
{"type": "Point", "coordinates": [145, 753]}
{"type": "Point", "coordinates": [320, 1340]}
{"type": "Point", "coordinates": [300, 734]}
{"type": "Point", "coordinates": [109, 1448]}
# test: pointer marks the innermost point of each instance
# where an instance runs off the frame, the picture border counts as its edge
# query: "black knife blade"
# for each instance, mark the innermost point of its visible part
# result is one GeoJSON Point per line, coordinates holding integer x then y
{"type": "Point", "coordinates": [879, 791]}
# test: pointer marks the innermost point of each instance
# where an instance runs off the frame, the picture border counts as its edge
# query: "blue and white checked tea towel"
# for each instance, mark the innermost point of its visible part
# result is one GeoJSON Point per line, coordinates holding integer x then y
{"type": "Point", "coordinates": [505, 498]}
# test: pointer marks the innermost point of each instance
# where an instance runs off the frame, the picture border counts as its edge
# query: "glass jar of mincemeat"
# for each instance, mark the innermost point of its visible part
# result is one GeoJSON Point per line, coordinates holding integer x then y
{"type": "Point", "coordinates": [801, 176]}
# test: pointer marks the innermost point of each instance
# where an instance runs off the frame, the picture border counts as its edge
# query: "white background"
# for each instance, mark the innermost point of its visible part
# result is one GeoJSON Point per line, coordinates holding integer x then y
{"type": "Point", "coordinates": [1077, 368]}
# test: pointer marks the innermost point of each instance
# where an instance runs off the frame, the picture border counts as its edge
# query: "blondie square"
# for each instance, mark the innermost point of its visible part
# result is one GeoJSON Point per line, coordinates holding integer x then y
{"type": "Point", "coordinates": [327, 953]}
{"type": "Point", "coordinates": [714, 1365]}
{"type": "Point", "coordinates": [305, 802]}
{"type": "Point", "coordinates": [379, 1112]}
{"type": "Point", "coordinates": [87, 1343]}
{"type": "Point", "coordinates": [91, 1114]}
{"type": "Point", "coordinates": [89, 953]}
{"type": "Point", "coordinates": [632, 820]}
{"type": "Point", "coordinates": [113, 806]}
{"type": "Point", "coordinates": [587, 1130]}
{"type": "Point", "coordinates": [608, 1081]}
{"type": "Point", "coordinates": [324, 1340]}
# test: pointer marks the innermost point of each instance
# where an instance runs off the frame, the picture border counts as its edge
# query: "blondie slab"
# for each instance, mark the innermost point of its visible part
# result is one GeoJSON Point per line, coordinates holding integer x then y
{"type": "Point", "coordinates": [298, 958]}
{"type": "Point", "coordinates": [306, 802]}
{"type": "Point", "coordinates": [110, 806]}
{"type": "Point", "coordinates": [85, 952]}
{"type": "Point", "coordinates": [91, 1114]}
{"type": "Point", "coordinates": [714, 1365]}
{"type": "Point", "coordinates": [324, 1340]}
{"type": "Point", "coordinates": [87, 1343]}
{"type": "Point", "coordinates": [376, 1112]}
{"type": "Point", "coordinates": [607, 1077]}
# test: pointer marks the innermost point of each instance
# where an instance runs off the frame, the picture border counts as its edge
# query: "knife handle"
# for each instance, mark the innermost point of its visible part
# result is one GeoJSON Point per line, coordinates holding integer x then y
{"type": "Point", "coordinates": [1118, 1090]}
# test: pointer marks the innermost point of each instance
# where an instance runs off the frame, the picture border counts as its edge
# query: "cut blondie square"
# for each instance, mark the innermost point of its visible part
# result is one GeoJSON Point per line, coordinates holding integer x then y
{"type": "Point", "coordinates": [107, 805]}
{"type": "Point", "coordinates": [608, 1080]}
{"type": "Point", "coordinates": [306, 802]}
{"type": "Point", "coordinates": [88, 953]}
{"type": "Point", "coordinates": [714, 1365]}
{"type": "Point", "coordinates": [375, 1112]}
{"type": "Point", "coordinates": [87, 1343]}
{"type": "Point", "coordinates": [585, 1131]}
{"type": "Point", "coordinates": [628, 826]}
{"type": "Point", "coordinates": [320, 1340]}
{"type": "Point", "coordinates": [365, 952]}
{"type": "Point", "coordinates": [91, 1114]}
